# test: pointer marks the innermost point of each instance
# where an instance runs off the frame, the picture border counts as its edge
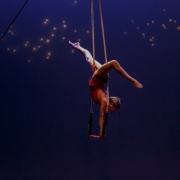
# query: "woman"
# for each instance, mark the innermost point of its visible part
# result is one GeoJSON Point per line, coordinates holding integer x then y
{"type": "Point", "coordinates": [99, 79]}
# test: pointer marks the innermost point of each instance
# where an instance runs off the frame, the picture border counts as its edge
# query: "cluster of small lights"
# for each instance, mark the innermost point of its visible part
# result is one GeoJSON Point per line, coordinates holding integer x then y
{"type": "Point", "coordinates": [173, 21]}
{"type": "Point", "coordinates": [148, 24]}
{"type": "Point", "coordinates": [12, 49]}
{"type": "Point", "coordinates": [46, 21]}
{"type": "Point", "coordinates": [152, 39]}
{"type": "Point", "coordinates": [48, 55]}
{"type": "Point", "coordinates": [26, 44]}
{"type": "Point", "coordinates": [164, 26]}
{"type": "Point", "coordinates": [46, 40]}
{"type": "Point", "coordinates": [11, 32]}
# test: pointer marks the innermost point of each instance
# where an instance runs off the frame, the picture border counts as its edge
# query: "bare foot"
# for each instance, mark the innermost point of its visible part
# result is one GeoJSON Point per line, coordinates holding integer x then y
{"type": "Point", "coordinates": [75, 45]}
{"type": "Point", "coordinates": [137, 84]}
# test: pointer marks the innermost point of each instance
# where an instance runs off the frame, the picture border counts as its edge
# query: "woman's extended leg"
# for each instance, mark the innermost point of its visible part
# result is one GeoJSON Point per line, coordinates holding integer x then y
{"type": "Point", "coordinates": [87, 55]}
{"type": "Point", "coordinates": [106, 68]}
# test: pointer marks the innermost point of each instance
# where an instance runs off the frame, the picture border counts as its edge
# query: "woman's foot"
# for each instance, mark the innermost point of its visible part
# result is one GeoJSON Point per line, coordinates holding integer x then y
{"type": "Point", "coordinates": [137, 84]}
{"type": "Point", "coordinates": [75, 45]}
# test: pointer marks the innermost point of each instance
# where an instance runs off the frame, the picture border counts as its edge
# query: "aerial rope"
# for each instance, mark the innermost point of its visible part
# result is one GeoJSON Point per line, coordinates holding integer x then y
{"type": "Point", "coordinates": [13, 20]}
{"type": "Point", "coordinates": [105, 56]}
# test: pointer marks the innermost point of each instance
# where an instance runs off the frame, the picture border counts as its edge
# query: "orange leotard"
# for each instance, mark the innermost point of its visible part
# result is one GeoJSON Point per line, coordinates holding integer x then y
{"type": "Point", "coordinates": [96, 83]}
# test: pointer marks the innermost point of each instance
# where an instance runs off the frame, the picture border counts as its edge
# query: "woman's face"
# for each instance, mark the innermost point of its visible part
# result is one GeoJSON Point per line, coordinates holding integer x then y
{"type": "Point", "coordinates": [111, 108]}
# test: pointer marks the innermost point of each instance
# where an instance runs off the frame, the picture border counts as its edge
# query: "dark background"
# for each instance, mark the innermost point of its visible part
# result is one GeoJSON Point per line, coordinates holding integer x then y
{"type": "Point", "coordinates": [45, 103]}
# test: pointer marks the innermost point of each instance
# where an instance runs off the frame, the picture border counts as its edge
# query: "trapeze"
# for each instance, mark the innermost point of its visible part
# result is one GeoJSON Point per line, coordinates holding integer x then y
{"type": "Point", "coordinates": [90, 135]}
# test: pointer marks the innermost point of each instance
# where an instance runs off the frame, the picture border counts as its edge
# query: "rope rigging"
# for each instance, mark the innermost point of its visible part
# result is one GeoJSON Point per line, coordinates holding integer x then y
{"type": "Point", "coordinates": [13, 20]}
{"type": "Point", "coordinates": [105, 56]}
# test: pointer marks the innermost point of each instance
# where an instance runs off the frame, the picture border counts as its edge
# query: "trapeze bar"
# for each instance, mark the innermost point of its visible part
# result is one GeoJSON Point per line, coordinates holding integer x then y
{"type": "Point", "coordinates": [94, 136]}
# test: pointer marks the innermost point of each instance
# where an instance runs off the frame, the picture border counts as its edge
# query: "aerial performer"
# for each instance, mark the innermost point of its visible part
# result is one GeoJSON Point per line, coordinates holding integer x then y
{"type": "Point", "coordinates": [99, 79]}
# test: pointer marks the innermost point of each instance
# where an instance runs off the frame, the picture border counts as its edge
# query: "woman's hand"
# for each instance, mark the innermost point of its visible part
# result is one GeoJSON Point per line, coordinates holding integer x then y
{"type": "Point", "coordinates": [94, 68]}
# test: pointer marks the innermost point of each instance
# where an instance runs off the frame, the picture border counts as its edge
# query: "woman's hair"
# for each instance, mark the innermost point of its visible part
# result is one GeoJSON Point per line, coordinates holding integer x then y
{"type": "Point", "coordinates": [115, 101]}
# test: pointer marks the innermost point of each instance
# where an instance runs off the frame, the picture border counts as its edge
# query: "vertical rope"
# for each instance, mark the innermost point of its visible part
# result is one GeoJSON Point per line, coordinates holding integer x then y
{"type": "Point", "coordinates": [93, 34]}
{"type": "Point", "coordinates": [102, 27]}
{"type": "Point", "coordinates": [105, 55]}
{"type": "Point", "coordinates": [93, 52]}
{"type": "Point", "coordinates": [104, 45]}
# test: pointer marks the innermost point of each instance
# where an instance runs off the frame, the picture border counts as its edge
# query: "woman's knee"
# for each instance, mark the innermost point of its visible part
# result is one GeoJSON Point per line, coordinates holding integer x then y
{"type": "Point", "coordinates": [114, 63]}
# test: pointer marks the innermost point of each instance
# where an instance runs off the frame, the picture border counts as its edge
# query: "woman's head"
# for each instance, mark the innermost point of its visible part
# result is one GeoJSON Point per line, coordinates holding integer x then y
{"type": "Point", "coordinates": [114, 104]}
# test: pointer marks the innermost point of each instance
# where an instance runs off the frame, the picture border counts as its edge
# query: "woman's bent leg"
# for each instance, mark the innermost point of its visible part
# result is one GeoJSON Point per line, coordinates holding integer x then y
{"type": "Point", "coordinates": [106, 68]}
